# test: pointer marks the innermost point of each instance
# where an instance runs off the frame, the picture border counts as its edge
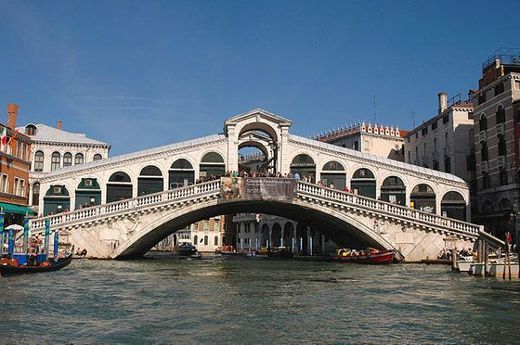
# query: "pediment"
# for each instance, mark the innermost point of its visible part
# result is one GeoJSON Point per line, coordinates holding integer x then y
{"type": "Point", "coordinates": [260, 115]}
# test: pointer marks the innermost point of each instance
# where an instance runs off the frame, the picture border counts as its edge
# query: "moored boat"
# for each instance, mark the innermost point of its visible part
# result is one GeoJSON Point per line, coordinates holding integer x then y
{"type": "Point", "coordinates": [11, 267]}
{"type": "Point", "coordinates": [374, 257]}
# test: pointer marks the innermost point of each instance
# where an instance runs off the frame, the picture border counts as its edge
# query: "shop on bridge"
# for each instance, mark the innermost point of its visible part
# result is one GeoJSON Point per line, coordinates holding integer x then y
{"type": "Point", "coordinates": [181, 174]}
{"type": "Point", "coordinates": [212, 165]}
{"type": "Point", "coordinates": [88, 193]}
{"type": "Point", "coordinates": [150, 181]}
{"type": "Point", "coordinates": [119, 187]}
{"type": "Point", "coordinates": [56, 200]}
{"type": "Point", "coordinates": [423, 198]}
{"type": "Point", "coordinates": [333, 173]}
{"type": "Point", "coordinates": [364, 183]}
{"type": "Point", "coordinates": [393, 190]}
{"type": "Point", "coordinates": [453, 206]}
{"type": "Point", "coordinates": [304, 166]}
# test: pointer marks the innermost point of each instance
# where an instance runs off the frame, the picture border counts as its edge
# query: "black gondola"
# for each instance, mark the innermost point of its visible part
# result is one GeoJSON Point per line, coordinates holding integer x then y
{"type": "Point", "coordinates": [8, 269]}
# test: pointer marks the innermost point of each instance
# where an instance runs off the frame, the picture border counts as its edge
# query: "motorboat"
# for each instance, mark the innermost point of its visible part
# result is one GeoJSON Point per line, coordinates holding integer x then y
{"type": "Point", "coordinates": [368, 256]}
{"type": "Point", "coordinates": [464, 263]}
{"type": "Point", "coordinates": [185, 249]}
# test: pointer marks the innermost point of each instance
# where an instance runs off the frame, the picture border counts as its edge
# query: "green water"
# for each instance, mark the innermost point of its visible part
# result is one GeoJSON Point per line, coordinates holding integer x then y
{"type": "Point", "coordinates": [164, 300]}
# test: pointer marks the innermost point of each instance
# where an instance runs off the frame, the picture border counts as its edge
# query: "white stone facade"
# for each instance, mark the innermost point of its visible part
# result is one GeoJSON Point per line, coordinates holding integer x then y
{"type": "Point", "coordinates": [443, 142]}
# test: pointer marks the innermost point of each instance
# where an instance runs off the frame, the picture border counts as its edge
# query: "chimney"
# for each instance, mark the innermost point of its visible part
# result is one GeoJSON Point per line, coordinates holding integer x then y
{"type": "Point", "coordinates": [12, 112]}
{"type": "Point", "coordinates": [443, 102]}
{"type": "Point", "coordinates": [59, 124]}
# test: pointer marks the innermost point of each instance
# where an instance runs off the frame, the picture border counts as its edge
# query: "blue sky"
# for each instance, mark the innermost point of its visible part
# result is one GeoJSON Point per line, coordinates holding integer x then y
{"type": "Point", "coordinates": [143, 74]}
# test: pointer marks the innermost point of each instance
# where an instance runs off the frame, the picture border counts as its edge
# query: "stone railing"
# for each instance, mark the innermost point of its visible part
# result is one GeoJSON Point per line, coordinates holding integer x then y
{"type": "Point", "coordinates": [128, 205]}
{"type": "Point", "coordinates": [304, 190]}
{"type": "Point", "coordinates": [388, 209]}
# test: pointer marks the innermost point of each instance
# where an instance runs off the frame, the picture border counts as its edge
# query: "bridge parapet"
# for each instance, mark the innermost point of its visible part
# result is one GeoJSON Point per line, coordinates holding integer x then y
{"type": "Point", "coordinates": [386, 209]}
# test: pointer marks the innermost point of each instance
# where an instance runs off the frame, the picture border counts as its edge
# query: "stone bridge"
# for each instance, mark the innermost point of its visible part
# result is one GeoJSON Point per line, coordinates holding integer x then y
{"type": "Point", "coordinates": [129, 228]}
{"type": "Point", "coordinates": [121, 206]}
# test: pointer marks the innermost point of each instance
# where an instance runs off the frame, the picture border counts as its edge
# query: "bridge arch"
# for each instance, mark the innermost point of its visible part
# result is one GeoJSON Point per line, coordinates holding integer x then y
{"type": "Point", "coordinates": [334, 172]}
{"type": "Point", "coordinates": [338, 226]}
{"type": "Point", "coordinates": [363, 182]}
{"type": "Point", "coordinates": [304, 164]}
{"type": "Point", "coordinates": [150, 180]}
{"type": "Point", "coordinates": [212, 163]}
{"type": "Point", "coordinates": [423, 197]}
{"type": "Point", "coordinates": [181, 172]}
{"type": "Point", "coordinates": [119, 186]}
{"type": "Point", "coordinates": [453, 205]}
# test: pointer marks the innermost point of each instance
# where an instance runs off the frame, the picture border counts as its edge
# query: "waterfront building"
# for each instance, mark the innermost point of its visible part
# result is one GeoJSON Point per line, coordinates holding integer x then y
{"type": "Point", "coordinates": [207, 235]}
{"type": "Point", "coordinates": [15, 163]}
{"type": "Point", "coordinates": [497, 141]}
{"type": "Point", "coordinates": [54, 149]}
{"type": "Point", "coordinates": [255, 231]}
{"type": "Point", "coordinates": [443, 142]}
{"type": "Point", "coordinates": [375, 139]}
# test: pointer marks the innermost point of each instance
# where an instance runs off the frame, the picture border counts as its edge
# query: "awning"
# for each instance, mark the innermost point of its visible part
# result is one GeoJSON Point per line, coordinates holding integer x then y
{"type": "Point", "coordinates": [13, 208]}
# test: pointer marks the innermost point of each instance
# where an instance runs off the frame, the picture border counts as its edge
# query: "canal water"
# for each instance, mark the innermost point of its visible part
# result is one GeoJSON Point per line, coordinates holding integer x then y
{"type": "Point", "coordinates": [239, 301]}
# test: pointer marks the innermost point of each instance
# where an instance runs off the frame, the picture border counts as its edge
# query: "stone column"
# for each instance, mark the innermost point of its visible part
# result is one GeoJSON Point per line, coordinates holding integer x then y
{"type": "Point", "coordinates": [269, 245]}
{"type": "Point", "coordinates": [232, 148]}
{"type": "Point", "coordinates": [295, 239]}
{"type": "Point", "coordinates": [309, 241]}
{"type": "Point", "coordinates": [322, 244]}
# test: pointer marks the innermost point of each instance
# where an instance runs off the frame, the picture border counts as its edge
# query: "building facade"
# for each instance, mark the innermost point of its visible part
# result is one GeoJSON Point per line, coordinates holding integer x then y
{"type": "Point", "coordinates": [55, 148]}
{"type": "Point", "coordinates": [15, 164]}
{"type": "Point", "coordinates": [496, 137]}
{"type": "Point", "coordinates": [443, 142]}
{"type": "Point", "coordinates": [379, 140]}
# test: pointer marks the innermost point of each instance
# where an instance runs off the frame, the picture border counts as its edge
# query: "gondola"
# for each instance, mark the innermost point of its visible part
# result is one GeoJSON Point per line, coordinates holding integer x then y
{"type": "Point", "coordinates": [8, 268]}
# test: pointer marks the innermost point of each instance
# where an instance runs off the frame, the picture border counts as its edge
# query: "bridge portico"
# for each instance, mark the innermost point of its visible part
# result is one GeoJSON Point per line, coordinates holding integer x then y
{"type": "Point", "coordinates": [131, 178]}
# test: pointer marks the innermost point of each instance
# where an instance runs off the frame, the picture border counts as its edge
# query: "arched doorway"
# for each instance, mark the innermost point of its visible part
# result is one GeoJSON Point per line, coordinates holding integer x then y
{"type": "Point", "coordinates": [303, 165]}
{"type": "Point", "coordinates": [211, 166]}
{"type": "Point", "coordinates": [276, 235]}
{"type": "Point", "coordinates": [149, 181]}
{"type": "Point", "coordinates": [393, 190]}
{"type": "Point", "coordinates": [289, 241]}
{"type": "Point", "coordinates": [265, 236]}
{"type": "Point", "coordinates": [88, 193]}
{"type": "Point", "coordinates": [364, 183]}
{"type": "Point", "coordinates": [119, 187]}
{"type": "Point", "coordinates": [333, 173]}
{"type": "Point", "coordinates": [453, 206]}
{"type": "Point", "coordinates": [423, 198]}
{"type": "Point", "coordinates": [56, 200]}
{"type": "Point", "coordinates": [181, 174]}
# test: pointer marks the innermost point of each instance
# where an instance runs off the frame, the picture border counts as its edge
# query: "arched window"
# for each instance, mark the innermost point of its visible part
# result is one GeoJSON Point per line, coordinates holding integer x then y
{"type": "Point", "coordinates": [453, 206]}
{"type": "Point", "coordinates": [484, 151]}
{"type": "Point", "coordinates": [333, 175]}
{"type": "Point", "coordinates": [364, 183]}
{"type": "Point", "coordinates": [30, 129]}
{"type": "Point", "coordinates": [501, 114]}
{"type": "Point", "coordinates": [215, 241]}
{"type": "Point", "coordinates": [79, 158]}
{"type": "Point", "coordinates": [55, 161]}
{"type": "Point", "coordinates": [56, 200]}
{"type": "Point", "coordinates": [423, 198]}
{"type": "Point", "coordinates": [212, 165]}
{"type": "Point", "coordinates": [303, 166]}
{"type": "Point", "coordinates": [502, 148]}
{"type": "Point", "coordinates": [206, 240]}
{"type": "Point", "coordinates": [97, 157]}
{"type": "Point", "coordinates": [482, 122]}
{"type": "Point", "coordinates": [196, 240]}
{"type": "Point", "coordinates": [149, 181]}
{"type": "Point", "coordinates": [393, 190]}
{"type": "Point", "coordinates": [38, 161]}
{"type": "Point", "coordinates": [67, 159]}
{"type": "Point", "coordinates": [181, 174]}
{"type": "Point", "coordinates": [119, 187]}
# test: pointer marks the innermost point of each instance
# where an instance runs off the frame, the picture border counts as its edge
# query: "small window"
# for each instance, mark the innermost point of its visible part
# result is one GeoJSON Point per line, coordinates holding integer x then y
{"type": "Point", "coordinates": [216, 241]}
{"type": "Point", "coordinates": [30, 129]}
{"type": "Point", "coordinates": [79, 158]}
{"type": "Point", "coordinates": [499, 88]}
{"type": "Point", "coordinates": [445, 118]}
{"type": "Point", "coordinates": [424, 131]}
{"type": "Point", "coordinates": [434, 125]}
{"type": "Point", "coordinates": [482, 98]}
{"type": "Point", "coordinates": [55, 161]}
{"type": "Point", "coordinates": [482, 123]}
{"type": "Point", "coordinates": [501, 114]}
{"type": "Point", "coordinates": [88, 182]}
{"type": "Point", "coordinates": [38, 161]}
{"type": "Point", "coordinates": [57, 189]}
{"type": "Point", "coordinates": [67, 159]}
{"type": "Point", "coordinates": [97, 157]}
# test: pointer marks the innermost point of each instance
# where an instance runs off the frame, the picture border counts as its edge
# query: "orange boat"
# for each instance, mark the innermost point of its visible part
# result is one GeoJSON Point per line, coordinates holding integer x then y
{"type": "Point", "coordinates": [369, 256]}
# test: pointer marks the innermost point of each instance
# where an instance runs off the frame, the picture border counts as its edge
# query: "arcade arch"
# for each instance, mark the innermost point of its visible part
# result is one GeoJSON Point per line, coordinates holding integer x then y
{"type": "Point", "coordinates": [56, 200]}
{"type": "Point", "coordinates": [212, 164]}
{"type": "Point", "coordinates": [304, 166]}
{"type": "Point", "coordinates": [364, 183]}
{"type": "Point", "coordinates": [181, 174]}
{"type": "Point", "coordinates": [88, 193]}
{"type": "Point", "coordinates": [453, 205]}
{"type": "Point", "coordinates": [334, 173]}
{"type": "Point", "coordinates": [393, 190]}
{"type": "Point", "coordinates": [119, 187]}
{"type": "Point", "coordinates": [423, 198]}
